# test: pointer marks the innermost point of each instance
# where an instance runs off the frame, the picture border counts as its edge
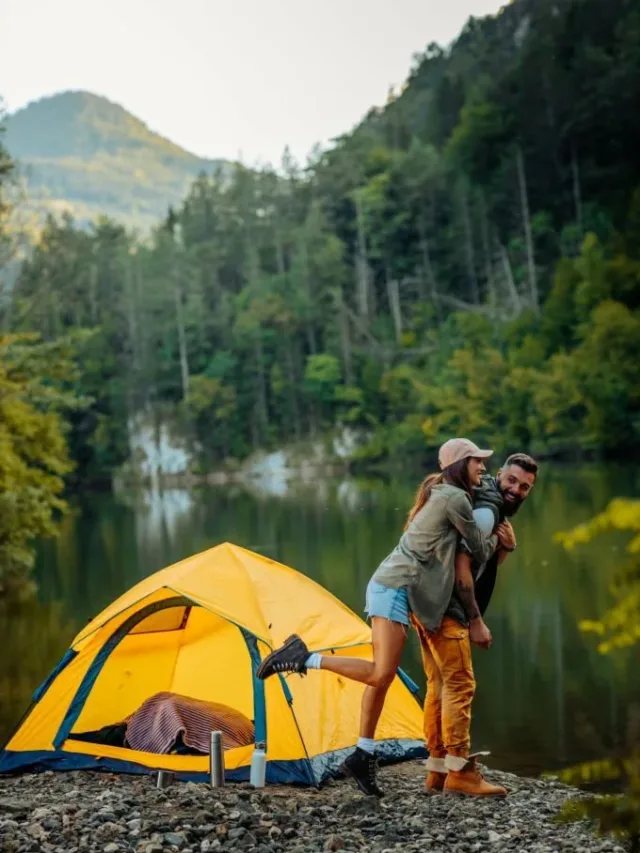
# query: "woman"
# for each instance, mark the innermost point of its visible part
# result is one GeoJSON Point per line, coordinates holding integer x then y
{"type": "Point", "coordinates": [417, 576]}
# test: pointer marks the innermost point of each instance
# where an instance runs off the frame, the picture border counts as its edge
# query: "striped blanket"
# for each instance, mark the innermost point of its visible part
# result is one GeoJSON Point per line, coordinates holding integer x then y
{"type": "Point", "coordinates": [165, 717]}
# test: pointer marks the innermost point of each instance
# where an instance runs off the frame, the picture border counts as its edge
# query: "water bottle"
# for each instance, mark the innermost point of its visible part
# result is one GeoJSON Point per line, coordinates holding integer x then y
{"type": "Point", "coordinates": [216, 760]}
{"type": "Point", "coordinates": [258, 766]}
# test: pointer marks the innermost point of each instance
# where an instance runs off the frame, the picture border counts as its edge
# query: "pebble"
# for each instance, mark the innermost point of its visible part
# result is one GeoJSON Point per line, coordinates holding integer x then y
{"type": "Point", "coordinates": [104, 813]}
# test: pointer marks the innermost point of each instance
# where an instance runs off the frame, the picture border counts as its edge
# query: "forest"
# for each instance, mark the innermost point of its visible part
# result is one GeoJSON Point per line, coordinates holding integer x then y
{"type": "Point", "coordinates": [465, 261]}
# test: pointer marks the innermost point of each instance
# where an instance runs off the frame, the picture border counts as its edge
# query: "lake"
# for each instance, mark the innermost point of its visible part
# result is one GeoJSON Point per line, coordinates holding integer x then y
{"type": "Point", "coordinates": [546, 699]}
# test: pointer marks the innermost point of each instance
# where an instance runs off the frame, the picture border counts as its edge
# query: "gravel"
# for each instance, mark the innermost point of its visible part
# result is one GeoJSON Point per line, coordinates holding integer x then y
{"type": "Point", "coordinates": [104, 813]}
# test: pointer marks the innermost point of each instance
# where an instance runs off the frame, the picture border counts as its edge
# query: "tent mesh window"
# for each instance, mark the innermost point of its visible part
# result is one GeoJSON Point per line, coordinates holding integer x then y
{"type": "Point", "coordinates": [171, 619]}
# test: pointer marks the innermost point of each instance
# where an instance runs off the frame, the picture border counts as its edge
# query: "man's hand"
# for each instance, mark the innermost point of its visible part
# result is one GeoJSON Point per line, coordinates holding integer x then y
{"type": "Point", "coordinates": [479, 633]}
{"type": "Point", "coordinates": [506, 535]}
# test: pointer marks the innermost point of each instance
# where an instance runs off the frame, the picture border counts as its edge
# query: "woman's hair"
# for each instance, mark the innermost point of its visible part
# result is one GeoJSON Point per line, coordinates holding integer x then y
{"type": "Point", "coordinates": [455, 475]}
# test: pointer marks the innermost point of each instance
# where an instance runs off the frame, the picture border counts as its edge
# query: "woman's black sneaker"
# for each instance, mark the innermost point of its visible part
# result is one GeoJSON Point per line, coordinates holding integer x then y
{"type": "Point", "coordinates": [361, 766]}
{"type": "Point", "coordinates": [290, 657]}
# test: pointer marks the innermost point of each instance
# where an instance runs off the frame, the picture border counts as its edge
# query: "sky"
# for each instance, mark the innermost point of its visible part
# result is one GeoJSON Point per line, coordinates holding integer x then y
{"type": "Point", "coordinates": [226, 78]}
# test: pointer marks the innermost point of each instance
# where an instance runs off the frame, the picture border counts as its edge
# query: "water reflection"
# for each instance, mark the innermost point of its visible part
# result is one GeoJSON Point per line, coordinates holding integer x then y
{"type": "Point", "coordinates": [545, 697]}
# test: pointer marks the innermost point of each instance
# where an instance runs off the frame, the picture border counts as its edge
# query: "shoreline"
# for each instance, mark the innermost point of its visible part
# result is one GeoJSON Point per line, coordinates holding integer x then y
{"type": "Point", "coordinates": [106, 813]}
{"type": "Point", "coordinates": [245, 475]}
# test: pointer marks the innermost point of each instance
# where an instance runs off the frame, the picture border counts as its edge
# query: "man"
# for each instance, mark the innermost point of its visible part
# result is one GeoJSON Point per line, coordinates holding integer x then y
{"type": "Point", "coordinates": [446, 652]}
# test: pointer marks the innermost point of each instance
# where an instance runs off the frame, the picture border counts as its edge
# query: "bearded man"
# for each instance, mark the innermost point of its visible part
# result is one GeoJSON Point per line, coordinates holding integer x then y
{"type": "Point", "coordinates": [446, 652]}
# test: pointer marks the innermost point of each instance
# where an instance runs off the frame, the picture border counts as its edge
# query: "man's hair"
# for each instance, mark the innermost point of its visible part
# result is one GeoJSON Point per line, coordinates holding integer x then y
{"type": "Point", "coordinates": [522, 461]}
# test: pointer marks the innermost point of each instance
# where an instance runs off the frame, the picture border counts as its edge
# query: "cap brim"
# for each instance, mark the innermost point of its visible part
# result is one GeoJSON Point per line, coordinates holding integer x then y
{"type": "Point", "coordinates": [483, 454]}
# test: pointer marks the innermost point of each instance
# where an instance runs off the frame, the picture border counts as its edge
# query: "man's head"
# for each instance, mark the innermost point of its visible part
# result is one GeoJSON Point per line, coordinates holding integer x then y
{"type": "Point", "coordinates": [515, 480]}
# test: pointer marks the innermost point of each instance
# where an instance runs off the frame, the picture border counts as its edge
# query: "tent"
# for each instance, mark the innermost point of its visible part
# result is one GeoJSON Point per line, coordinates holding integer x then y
{"type": "Point", "coordinates": [200, 628]}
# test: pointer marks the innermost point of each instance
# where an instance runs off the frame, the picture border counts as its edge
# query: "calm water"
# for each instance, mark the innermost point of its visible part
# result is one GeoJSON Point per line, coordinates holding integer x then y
{"type": "Point", "coordinates": [545, 697]}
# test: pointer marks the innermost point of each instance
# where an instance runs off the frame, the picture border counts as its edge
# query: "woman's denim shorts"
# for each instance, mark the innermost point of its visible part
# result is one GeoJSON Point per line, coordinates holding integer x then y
{"type": "Point", "coordinates": [392, 604]}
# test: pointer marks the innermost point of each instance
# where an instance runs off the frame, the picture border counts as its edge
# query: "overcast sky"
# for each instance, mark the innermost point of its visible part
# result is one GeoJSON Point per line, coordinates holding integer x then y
{"type": "Point", "coordinates": [225, 78]}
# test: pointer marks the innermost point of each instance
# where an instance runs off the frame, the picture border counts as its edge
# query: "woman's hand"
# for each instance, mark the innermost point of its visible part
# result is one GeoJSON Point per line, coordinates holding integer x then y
{"type": "Point", "coordinates": [506, 535]}
{"type": "Point", "coordinates": [479, 633]}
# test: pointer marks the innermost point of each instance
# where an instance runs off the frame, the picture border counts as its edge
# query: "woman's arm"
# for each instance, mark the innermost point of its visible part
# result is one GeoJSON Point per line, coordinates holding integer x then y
{"type": "Point", "coordinates": [460, 514]}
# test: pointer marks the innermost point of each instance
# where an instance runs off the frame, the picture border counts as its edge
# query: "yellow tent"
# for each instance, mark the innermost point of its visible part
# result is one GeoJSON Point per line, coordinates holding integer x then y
{"type": "Point", "coordinates": [200, 628]}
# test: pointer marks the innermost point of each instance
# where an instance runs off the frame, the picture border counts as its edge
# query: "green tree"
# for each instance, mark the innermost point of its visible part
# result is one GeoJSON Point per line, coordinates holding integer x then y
{"type": "Point", "coordinates": [618, 628]}
{"type": "Point", "coordinates": [33, 453]}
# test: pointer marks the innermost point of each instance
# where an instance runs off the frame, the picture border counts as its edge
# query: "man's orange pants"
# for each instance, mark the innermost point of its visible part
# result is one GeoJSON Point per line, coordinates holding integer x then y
{"type": "Point", "coordinates": [446, 657]}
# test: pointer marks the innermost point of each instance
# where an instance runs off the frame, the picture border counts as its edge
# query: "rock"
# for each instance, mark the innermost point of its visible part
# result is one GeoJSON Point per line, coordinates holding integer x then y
{"type": "Point", "coordinates": [41, 814]}
{"type": "Point", "coordinates": [362, 805]}
{"type": "Point", "coordinates": [110, 829]}
{"type": "Point", "coordinates": [36, 831]}
{"type": "Point", "coordinates": [87, 813]}
{"type": "Point", "coordinates": [11, 806]}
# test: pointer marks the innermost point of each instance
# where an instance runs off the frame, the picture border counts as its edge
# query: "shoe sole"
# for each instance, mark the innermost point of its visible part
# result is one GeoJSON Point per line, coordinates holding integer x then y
{"type": "Point", "coordinates": [363, 790]}
{"type": "Point", "coordinates": [267, 661]}
{"type": "Point", "coordinates": [477, 796]}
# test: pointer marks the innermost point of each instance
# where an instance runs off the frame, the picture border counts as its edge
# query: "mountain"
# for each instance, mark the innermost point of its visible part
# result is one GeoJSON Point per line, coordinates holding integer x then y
{"type": "Point", "coordinates": [81, 153]}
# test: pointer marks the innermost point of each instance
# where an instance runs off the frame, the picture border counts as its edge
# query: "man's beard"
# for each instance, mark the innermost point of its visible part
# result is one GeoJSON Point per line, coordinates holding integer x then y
{"type": "Point", "coordinates": [510, 507]}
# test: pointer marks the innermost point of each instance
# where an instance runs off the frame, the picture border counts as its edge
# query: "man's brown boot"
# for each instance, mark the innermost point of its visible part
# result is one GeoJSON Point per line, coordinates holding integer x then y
{"type": "Point", "coordinates": [465, 780]}
{"type": "Point", "coordinates": [436, 776]}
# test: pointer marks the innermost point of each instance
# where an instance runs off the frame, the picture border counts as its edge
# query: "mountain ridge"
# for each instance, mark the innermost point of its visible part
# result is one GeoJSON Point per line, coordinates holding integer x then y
{"type": "Point", "coordinates": [87, 155]}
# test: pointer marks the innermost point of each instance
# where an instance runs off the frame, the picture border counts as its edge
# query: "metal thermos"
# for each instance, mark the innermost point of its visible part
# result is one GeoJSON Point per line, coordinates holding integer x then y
{"type": "Point", "coordinates": [164, 779]}
{"type": "Point", "coordinates": [216, 760]}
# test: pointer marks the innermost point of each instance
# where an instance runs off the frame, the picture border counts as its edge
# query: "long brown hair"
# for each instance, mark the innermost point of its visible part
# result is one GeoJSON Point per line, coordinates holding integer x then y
{"type": "Point", "coordinates": [455, 475]}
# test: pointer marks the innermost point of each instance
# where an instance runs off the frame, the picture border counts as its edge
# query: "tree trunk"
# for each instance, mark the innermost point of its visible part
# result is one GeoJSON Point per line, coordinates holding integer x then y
{"type": "Point", "coordinates": [511, 286]}
{"type": "Point", "coordinates": [577, 195]}
{"type": "Point", "coordinates": [468, 242]}
{"type": "Point", "coordinates": [131, 314]}
{"type": "Point", "coordinates": [308, 324]}
{"type": "Point", "coordinates": [345, 339]}
{"type": "Point", "coordinates": [293, 396]}
{"type": "Point", "coordinates": [182, 340]}
{"type": "Point", "coordinates": [423, 280]}
{"type": "Point", "coordinates": [362, 264]}
{"type": "Point", "coordinates": [146, 372]}
{"type": "Point", "coordinates": [428, 268]}
{"type": "Point", "coordinates": [524, 200]}
{"type": "Point", "coordinates": [488, 264]}
{"type": "Point", "coordinates": [282, 271]}
{"type": "Point", "coordinates": [263, 413]}
{"type": "Point", "coordinates": [393, 294]}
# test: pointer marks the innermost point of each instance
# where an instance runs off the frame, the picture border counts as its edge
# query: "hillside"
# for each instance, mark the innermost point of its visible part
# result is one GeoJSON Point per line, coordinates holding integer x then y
{"type": "Point", "coordinates": [80, 152]}
{"type": "Point", "coordinates": [466, 262]}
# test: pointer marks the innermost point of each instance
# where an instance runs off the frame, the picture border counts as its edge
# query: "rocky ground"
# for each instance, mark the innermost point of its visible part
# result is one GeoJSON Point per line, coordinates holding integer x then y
{"type": "Point", "coordinates": [75, 812]}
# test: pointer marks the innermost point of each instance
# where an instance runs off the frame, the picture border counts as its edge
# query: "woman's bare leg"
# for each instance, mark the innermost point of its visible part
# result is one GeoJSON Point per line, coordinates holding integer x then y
{"type": "Point", "coordinates": [389, 639]}
{"type": "Point", "coordinates": [388, 642]}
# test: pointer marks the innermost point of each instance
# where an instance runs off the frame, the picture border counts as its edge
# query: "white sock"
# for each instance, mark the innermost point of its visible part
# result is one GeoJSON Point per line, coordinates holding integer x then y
{"type": "Point", "coordinates": [368, 744]}
{"type": "Point", "coordinates": [314, 661]}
